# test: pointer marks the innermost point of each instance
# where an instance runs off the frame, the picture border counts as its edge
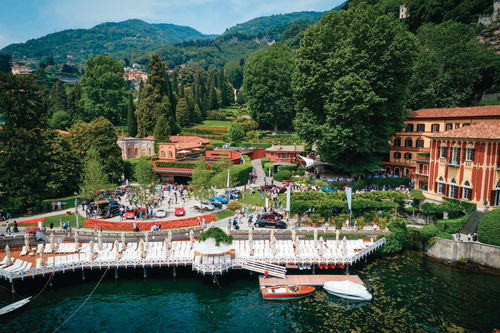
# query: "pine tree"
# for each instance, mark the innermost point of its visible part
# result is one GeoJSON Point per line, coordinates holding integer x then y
{"type": "Point", "coordinates": [58, 99]}
{"type": "Point", "coordinates": [183, 117]}
{"type": "Point", "coordinates": [94, 176]}
{"type": "Point", "coordinates": [23, 167]}
{"type": "Point", "coordinates": [154, 101]}
{"type": "Point", "coordinates": [197, 116]}
{"type": "Point", "coordinates": [162, 131]}
{"type": "Point", "coordinates": [131, 120]}
{"type": "Point", "coordinates": [74, 97]}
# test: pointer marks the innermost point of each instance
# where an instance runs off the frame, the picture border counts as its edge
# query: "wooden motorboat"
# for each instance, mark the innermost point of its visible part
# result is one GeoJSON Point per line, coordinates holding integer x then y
{"type": "Point", "coordinates": [14, 306]}
{"type": "Point", "coordinates": [283, 293]}
{"type": "Point", "coordinates": [348, 290]}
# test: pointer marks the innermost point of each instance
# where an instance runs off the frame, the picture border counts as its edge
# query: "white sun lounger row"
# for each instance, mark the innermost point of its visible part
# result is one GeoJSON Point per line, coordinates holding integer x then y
{"type": "Point", "coordinates": [17, 266]}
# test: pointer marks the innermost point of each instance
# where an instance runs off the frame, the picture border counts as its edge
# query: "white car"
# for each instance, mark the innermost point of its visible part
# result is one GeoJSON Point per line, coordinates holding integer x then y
{"type": "Point", "coordinates": [203, 206]}
{"type": "Point", "coordinates": [160, 213]}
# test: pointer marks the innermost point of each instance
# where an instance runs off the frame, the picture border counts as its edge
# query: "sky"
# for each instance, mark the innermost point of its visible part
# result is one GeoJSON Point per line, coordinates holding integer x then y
{"type": "Point", "coordinates": [21, 20]}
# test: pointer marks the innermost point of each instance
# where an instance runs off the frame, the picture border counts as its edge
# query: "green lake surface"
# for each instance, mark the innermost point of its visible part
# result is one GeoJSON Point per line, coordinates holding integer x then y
{"type": "Point", "coordinates": [415, 294]}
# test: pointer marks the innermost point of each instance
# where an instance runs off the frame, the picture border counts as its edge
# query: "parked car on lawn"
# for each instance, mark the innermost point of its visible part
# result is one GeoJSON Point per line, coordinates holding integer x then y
{"type": "Point", "coordinates": [261, 223]}
{"type": "Point", "coordinates": [219, 199]}
{"type": "Point", "coordinates": [160, 213]}
{"type": "Point", "coordinates": [132, 213]}
{"type": "Point", "coordinates": [111, 210]}
{"type": "Point", "coordinates": [205, 205]}
{"type": "Point", "coordinates": [271, 216]}
{"type": "Point", "coordinates": [179, 211]}
{"type": "Point", "coordinates": [216, 203]}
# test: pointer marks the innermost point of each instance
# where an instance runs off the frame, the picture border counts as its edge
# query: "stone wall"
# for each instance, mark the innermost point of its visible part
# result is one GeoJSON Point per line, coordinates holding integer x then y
{"type": "Point", "coordinates": [479, 253]}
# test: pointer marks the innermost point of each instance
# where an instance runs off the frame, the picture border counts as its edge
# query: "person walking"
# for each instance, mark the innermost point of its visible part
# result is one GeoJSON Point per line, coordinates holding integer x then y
{"type": "Point", "coordinates": [7, 230]}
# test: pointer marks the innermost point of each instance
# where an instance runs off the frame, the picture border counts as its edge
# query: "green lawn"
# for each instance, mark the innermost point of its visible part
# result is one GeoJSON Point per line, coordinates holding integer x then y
{"type": "Point", "coordinates": [69, 200]}
{"type": "Point", "coordinates": [56, 219]}
{"type": "Point", "coordinates": [214, 123]}
{"type": "Point", "coordinates": [256, 200]}
{"type": "Point", "coordinates": [223, 214]}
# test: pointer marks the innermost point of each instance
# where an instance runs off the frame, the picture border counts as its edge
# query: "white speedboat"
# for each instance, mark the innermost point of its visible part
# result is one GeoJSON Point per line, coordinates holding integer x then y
{"type": "Point", "coordinates": [348, 289]}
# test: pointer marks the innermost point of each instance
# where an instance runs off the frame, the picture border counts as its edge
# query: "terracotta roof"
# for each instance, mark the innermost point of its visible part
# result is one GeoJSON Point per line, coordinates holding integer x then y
{"type": "Point", "coordinates": [488, 130]}
{"type": "Point", "coordinates": [190, 139]}
{"type": "Point", "coordinates": [476, 111]}
{"type": "Point", "coordinates": [292, 148]}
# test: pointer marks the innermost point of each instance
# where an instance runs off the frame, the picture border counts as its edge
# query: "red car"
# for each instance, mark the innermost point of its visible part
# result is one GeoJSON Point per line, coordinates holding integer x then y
{"type": "Point", "coordinates": [130, 214]}
{"type": "Point", "coordinates": [179, 211]}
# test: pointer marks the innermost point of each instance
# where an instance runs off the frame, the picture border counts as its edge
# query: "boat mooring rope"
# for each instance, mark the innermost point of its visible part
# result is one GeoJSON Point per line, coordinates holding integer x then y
{"type": "Point", "coordinates": [86, 299]}
{"type": "Point", "coordinates": [46, 284]}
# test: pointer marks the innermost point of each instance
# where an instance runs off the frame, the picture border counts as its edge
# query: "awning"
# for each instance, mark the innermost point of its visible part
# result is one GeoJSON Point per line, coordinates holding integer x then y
{"type": "Point", "coordinates": [183, 152]}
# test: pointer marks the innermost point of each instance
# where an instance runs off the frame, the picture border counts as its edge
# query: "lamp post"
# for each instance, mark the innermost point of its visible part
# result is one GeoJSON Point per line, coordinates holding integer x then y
{"type": "Point", "coordinates": [76, 210]}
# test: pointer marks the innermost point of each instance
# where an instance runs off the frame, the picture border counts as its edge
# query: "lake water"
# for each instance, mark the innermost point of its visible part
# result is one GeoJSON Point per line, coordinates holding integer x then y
{"type": "Point", "coordinates": [415, 293]}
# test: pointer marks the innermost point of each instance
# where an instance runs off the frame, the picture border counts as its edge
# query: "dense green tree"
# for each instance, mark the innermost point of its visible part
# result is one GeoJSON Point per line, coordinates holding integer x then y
{"type": "Point", "coordinates": [103, 89]}
{"type": "Point", "coordinates": [23, 168]}
{"type": "Point", "coordinates": [351, 77]}
{"type": "Point", "coordinates": [60, 120]}
{"type": "Point", "coordinates": [95, 178]}
{"type": "Point", "coordinates": [200, 179]}
{"type": "Point", "coordinates": [74, 101]}
{"type": "Point", "coordinates": [4, 63]}
{"type": "Point", "coordinates": [154, 99]}
{"type": "Point", "coordinates": [78, 139]}
{"type": "Point", "coordinates": [131, 120]}
{"type": "Point", "coordinates": [268, 86]}
{"type": "Point", "coordinates": [144, 171]}
{"type": "Point", "coordinates": [234, 73]}
{"type": "Point", "coordinates": [101, 136]}
{"type": "Point", "coordinates": [64, 165]}
{"type": "Point", "coordinates": [228, 93]}
{"type": "Point", "coordinates": [453, 67]}
{"type": "Point", "coordinates": [162, 131]}
{"type": "Point", "coordinates": [58, 98]}
{"type": "Point", "coordinates": [236, 133]}
{"type": "Point", "coordinates": [182, 112]}
{"type": "Point", "coordinates": [197, 116]}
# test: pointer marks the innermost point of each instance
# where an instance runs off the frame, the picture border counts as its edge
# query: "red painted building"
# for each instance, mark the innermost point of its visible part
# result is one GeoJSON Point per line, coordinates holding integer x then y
{"type": "Point", "coordinates": [285, 153]}
{"type": "Point", "coordinates": [464, 164]}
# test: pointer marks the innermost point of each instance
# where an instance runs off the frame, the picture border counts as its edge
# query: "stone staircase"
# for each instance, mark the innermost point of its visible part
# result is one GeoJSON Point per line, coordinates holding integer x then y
{"type": "Point", "coordinates": [262, 267]}
{"type": "Point", "coordinates": [472, 222]}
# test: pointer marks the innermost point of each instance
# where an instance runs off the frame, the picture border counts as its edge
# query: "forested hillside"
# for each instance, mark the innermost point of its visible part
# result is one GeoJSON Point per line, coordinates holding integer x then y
{"type": "Point", "coordinates": [117, 39]}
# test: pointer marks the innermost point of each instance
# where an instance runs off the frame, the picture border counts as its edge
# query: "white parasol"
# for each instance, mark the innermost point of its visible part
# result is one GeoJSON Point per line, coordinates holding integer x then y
{"type": "Point", "coordinates": [271, 236]}
{"type": "Point", "coordinates": [7, 260]}
{"type": "Point", "coordinates": [77, 246]}
{"type": "Point", "coordinates": [146, 239]}
{"type": "Point", "coordinates": [315, 237]}
{"type": "Point", "coordinates": [321, 246]}
{"type": "Point", "coordinates": [169, 239]}
{"type": "Point", "coordinates": [42, 257]}
{"type": "Point", "coordinates": [91, 248]}
{"type": "Point", "coordinates": [191, 239]}
{"type": "Point", "coordinates": [123, 240]}
{"type": "Point", "coordinates": [141, 248]}
{"type": "Point", "coordinates": [337, 234]}
{"type": "Point", "coordinates": [117, 250]}
{"type": "Point", "coordinates": [27, 242]}
{"type": "Point", "coordinates": [99, 240]}
{"type": "Point", "coordinates": [344, 246]}
{"type": "Point", "coordinates": [52, 244]}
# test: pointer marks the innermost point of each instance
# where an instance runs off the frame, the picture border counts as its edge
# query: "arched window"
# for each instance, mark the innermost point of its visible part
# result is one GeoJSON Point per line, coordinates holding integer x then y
{"type": "Point", "coordinates": [467, 193]}
{"type": "Point", "coordinates": [397, 142]}
{"type": "Point", "coordinates": [397, 155]}
{"type": "Point", "coordinates": [453, 189]}
{"type": "Point", "coordinates": [396, 172]}
{"type": "Point", "coordinates": [408, 143]}
{"type": "Point", "coordinates": [388, 170]}
{"type": "Point", "coordinates": [162, 154]}
{"type": "Point", "coordinates": [408, 156]}
{"type": "Point", "coordinates": [407, 172]}
{"type": "Point", "coordinates": [440, 187]}
{"type": "Point", "coordinates": [497, 194]}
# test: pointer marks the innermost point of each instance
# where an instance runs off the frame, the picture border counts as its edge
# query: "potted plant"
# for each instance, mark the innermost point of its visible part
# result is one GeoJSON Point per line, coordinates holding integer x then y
{"type": "Point", "coordinates": [315, 219]}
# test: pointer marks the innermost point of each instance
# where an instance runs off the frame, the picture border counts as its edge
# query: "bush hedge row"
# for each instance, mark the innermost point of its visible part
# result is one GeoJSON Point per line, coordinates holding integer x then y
{"type": "Point", "coordinates": [451, 226]}
{"type": "Point", "coordinates": [282, 175]}
{"type": "Point", "coordinates": [489, 229]}
{"type": "Point", "coordinates": [180, 165]}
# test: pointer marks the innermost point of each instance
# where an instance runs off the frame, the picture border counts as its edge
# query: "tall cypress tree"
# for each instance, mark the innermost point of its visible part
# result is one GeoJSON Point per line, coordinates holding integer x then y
{"type": "Point", "coordinates": [74, 97]}
{"type": "Point", "coordinates": [131, 120]}
{"type": "Point", "coordinates": [183, 116]}
{"type": "Point", "coordinates": [161, 131]}
{"type": "Point", "coordinates": [23, 167]}
{"type": "Point", "coordinates": [154, 101]}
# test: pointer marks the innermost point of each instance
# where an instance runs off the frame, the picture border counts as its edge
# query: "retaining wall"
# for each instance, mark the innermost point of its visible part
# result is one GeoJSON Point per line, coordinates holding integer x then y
{"type": "Point", "coordinates": [479, 253]}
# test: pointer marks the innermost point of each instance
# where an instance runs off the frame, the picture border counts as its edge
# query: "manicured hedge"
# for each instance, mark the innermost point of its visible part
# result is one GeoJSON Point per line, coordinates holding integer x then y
{"type": "Point", "coordinates": [241, 173]}
{"type": "Point", "coordinates": [489, 229]}
{"type": "Point", "coordinates": [292, 167]}
{"type": "Point", "coordinates": [451, 226]}
{"type": "Point", "coordinates": [178, 165]}
{"type": "Point", "coordinates": [283, 175]}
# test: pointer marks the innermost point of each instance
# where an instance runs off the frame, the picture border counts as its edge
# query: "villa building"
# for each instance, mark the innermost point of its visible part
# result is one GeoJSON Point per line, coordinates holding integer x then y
{"type": "Point", "coordinates": [464, 164]}
{"type": "Point", "coordinates": [181, 145]}
{"type": "Point", "coordinates": [135, 147]}
{"type": "Point", "coordinates": [285, 154]}
{"type": "Point", "coordinates": [410, 148]}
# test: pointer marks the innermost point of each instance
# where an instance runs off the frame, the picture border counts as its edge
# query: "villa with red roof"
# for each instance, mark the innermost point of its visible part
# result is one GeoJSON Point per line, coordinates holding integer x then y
{"type": "Point", "coordinates": [464, 164]}
{"type": "Point", "coordinates": [410, 148]}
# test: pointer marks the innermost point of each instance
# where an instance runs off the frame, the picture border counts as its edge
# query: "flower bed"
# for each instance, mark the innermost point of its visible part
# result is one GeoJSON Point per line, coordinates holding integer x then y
{"type": "Point", "coordinates": [32, 221]}
{"type": "Point", "coordinates": [128, 226]}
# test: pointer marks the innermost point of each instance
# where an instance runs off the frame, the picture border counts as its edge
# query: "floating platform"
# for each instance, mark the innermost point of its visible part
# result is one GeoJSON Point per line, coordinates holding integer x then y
{"type": "Point", "coordinates": [311, 280]}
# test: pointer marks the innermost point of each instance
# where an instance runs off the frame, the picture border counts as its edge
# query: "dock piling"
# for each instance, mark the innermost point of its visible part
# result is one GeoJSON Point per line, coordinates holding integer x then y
{"type": "Point", "coordinates": [347, 269]}
{"type": "Point", "coordinates": [83, 274]}
{"type": "Point", "coordinates": [116, 273]}
{"type": "Point", "coordinates": [13, 289]}
{"type": "Point", "coordinates": [314, 269]}
{"type": "Point", "coordinates": [145, 273]}
{"type": "Point", "coordinates": [175, 273]}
